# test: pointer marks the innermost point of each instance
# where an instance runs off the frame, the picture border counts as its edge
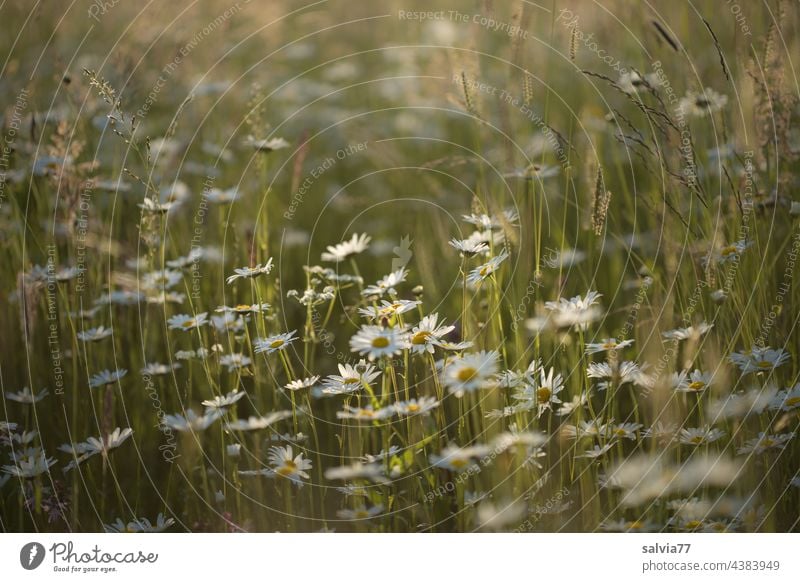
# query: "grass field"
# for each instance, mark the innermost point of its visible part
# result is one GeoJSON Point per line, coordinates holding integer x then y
{"type": "Point", "coordinates": [395, 266]}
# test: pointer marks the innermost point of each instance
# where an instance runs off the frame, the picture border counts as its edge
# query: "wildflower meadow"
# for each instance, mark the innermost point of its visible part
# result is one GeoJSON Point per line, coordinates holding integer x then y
{"type": "Point", "coordinates": [399, 266]}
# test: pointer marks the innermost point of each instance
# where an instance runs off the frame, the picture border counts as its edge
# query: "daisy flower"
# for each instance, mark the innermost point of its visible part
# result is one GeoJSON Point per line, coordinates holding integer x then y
{"type": "Point", "coordinates": [576, 312]}
{"type": "Point", "coordinates": [95, 334]}
{"type": "Point", "coordinates": [159, 369]}
{"type": "Point", "coordinates": [235, 361]}
{"type": "Point", "coordinates": [702, 103]}
{"type": "Point", "coordinates": [423, 405]}
{"type": "Point", "coordinates": [30, 464]}
{"type": "Point", "coordinates": [691, 332]}
{"type": "Point", "coordinates": [274, 343]}
{"type": "Point", "coordinates": [106, 377]}
{"type": "Point", "coordinates": [160, 280]}
{"type": "Point", "coordinates": [312, 296]}
{"type": "Point", "coordinates": [455, 458]}
{"type": "Point", "coordinates": [469, 247]}
{"type": "Point", "coordinates": [624, 430]}
{"type": "Point", "coordinates": [140, 525]}
{"type": "Point", "coordinates": [623, 373]}
{"type": "Point", "coordinates": [287, 465]}
{"type": "Point", "coordinates": [765, 442]}
{"type": "Point", "coordinates": [568, 408]}
{"type": "Point", "coordinates": [258, 422]}
{"type": "Point", "coordinates": [350, 379]}
{"type": "Point", "coordinates": [26, 396]}
{"type": "Point", "coordinates": [188, 322]}
{"type": "Point", "coordinates": [228, 322]}
{"type": "Point", "coordinates": [480, 274]}
{"type": "Point", "coordinates": [486, 222]}
{"type": "Point", "coordinates": [250, 272]}
{"type": "Point", "coordinates": [787, 399]}
{"type": "Point", "coordinates": [388, 309]}
{"type": "Point", "coordinates": [759, 359]}
{"type": "Point", "coordinates": [223, 402]}
{"type": "Point", "coordinates": [266, 145]}
{"type": "Point", "coordinates": [750, 403]}
{"type": "Point", "coordinates": [496, 517]}
{"type": "Point", "coordinates": [94, 446]}
{"type": "Point", "coordinates": [65, 274]}
{"type": "Point", "coordinates": [632, 82]}
{"type": "Point", "coordinates": [470, 372]}
{"type": "Point", "coordinates": [375, 342]}
{"type": "Point", "coordinates": [387, 284]}
{"type": "Point", "coordinates": [244, 309]}
{"type": "Point", "coordinates": [695, 382]}
{"type": "Point", "coordinates": [607, 345]}
{"type": "Point", "coordinates": [427, 333]}
{"type": "Point", "coordinates": [542, 394]}
{"type": "Point", "coordinates": [338, 253]}
{"type": "Point", "coordinates": [664, 433]}
{"type": "Point", "coordinates": [220, 196]}
{"type": "Point", "coordinates": [360, 513]}
{"type": "Point", "coordinates": [585, 429]}
{"type": "Point", "coordinates": [188, 260]}
{"type": "Point", "coordinates": [700, 436]}
{"type": "Point", "coordinates": [367, 413]}
{"type": "Point", "coordinates": [295, 385]}
{"type": "Point", "coordinates": [730, 252]}
{"type": "Point", "coordinates": [163, 298]}
{"type": "Point", "coordinates": [449, 346]}
{"type": "Point", "coordinates": [369, 471]}
{"type": "Point", "coordinates": [191, 421]}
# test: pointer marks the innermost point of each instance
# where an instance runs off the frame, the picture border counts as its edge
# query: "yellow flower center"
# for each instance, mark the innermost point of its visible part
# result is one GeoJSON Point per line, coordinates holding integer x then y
{"type": "Point", "coordinates": [609, 345]}
{"type": "Point", "coordinates": [696, 385]}
{"type": "Point", "coordinates": [276, 344]}
{"type": "Point", "coordinates": [466, 374]}
{"type": "Point", "coordinates": [361, 514]}
{"type": "Point", "coordinates": [420, 338]}
{"type": "Point", "coordinates": [727, 251]}
{"type": "Point", "coordinates": [697, 440]}
{"type": "Point", "coordinates": [288, 468]}
{"type": "Point", "coordinates": [380, 342]}
{"type": "Point", "coordinates": [350, 381]}
{"type": "Point", "coordinates": [634, 524]}
{"type": "Point", "coordinates": [763, 364]}
{"type": "Point", "coordinates": [412, 407]}
{"type": "Point", "coordinates": [693, 524]}
{"type": "Point", "coordinates": [794, 401]}
{"type": "Point", "coordinates": [544, 394]}
{"type": "Point", "coordinates": [485, 270]}
{"type": "Point", "coordinates": [188, 323]}
{"type": "Point", "coordinates": [458, 463]}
